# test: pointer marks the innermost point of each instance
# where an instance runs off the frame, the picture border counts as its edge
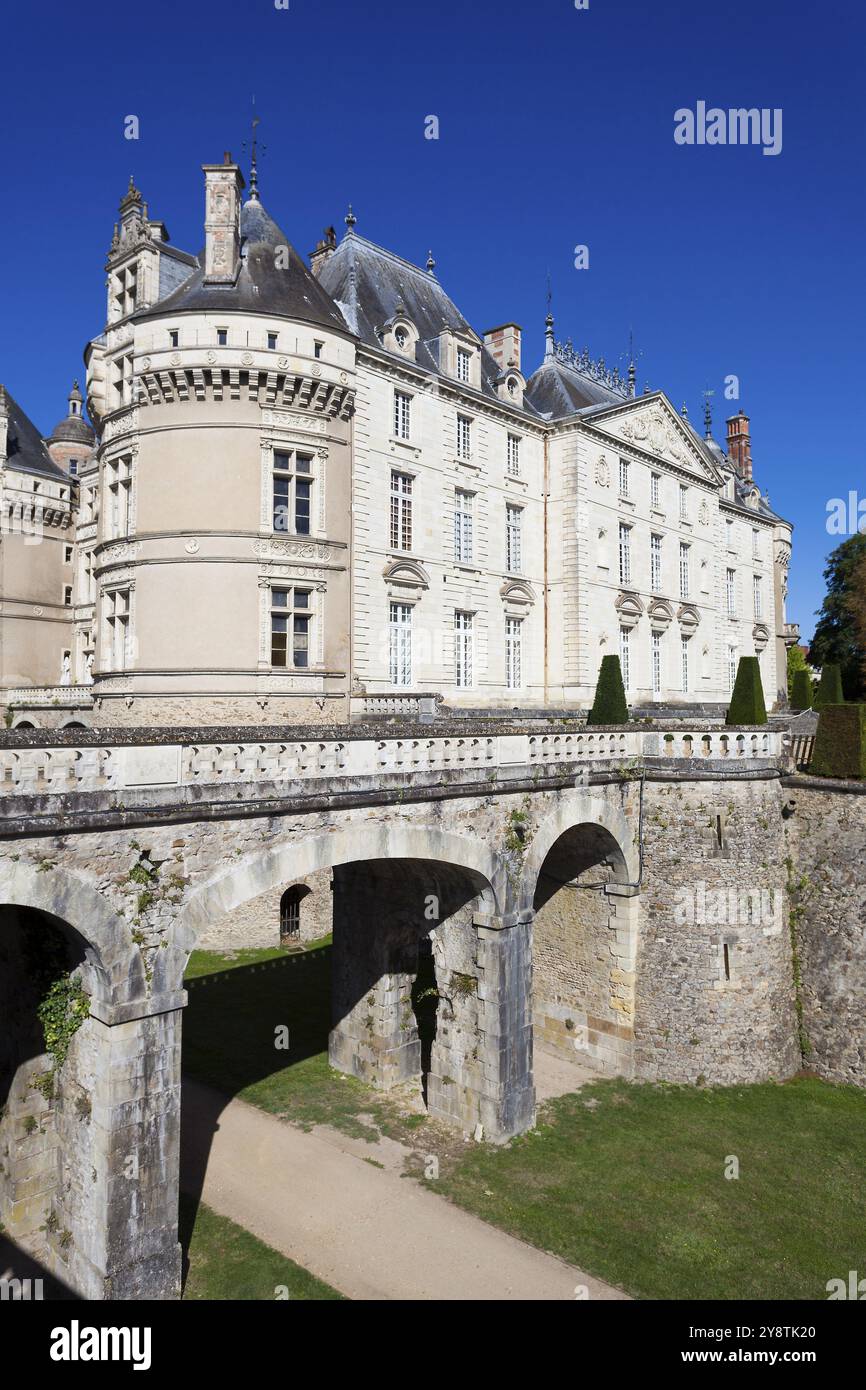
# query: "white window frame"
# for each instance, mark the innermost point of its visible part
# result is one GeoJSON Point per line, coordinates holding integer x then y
{"type": "Point", "coordinates": [625, 656]}
{"type": "Point", "coordinates": [463, 526]}
{"type": "Point", "coordinates": [624, 553]}
{"type": "Point", "coordinates": [685, 570]}
{"type": "Point", "coordinates": [512, 466]}
{"type": "Point", "coordinates": [464, 644]}
{"type": "Point", "coordinates": [656, 562]}
{"type": "Point", "coordinates": [297, 641]}
{"type": "Point", "coordinates": [400, 644]}
{"type": "Point", "coordinates": [733, 663]}
{"type": "Point", "coordinates": [731, 592]}
{"type": "Point", "coordinates": [513, 538]}
{"type": "Point", "coordinates": [624, 478]}
{"type": "Point", "coordinates": [402, 415]}
{"type": "Point", "coordinates": [684, 502]}
{"type": "Point", "coordinates": [400, 535]}
{"type": "Point", "coordinates": [655, 483]}
{"type": "Point", "coordinates": [657, 663]}
{"type": "Point", "coordinates": [464, 437]}
{"type": "Point", "coordinates": [758, 593]}
{"type": "Point", "coordinates": [464, 365]}
{"type": "Point", "coordinates": [514, 653]}
{"type": "Point", "coordinates": [685, 679]}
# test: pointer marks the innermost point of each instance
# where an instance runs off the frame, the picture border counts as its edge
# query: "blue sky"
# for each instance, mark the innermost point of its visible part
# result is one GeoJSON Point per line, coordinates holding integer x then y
{"type": "Point", "coordinates": [556, 129]}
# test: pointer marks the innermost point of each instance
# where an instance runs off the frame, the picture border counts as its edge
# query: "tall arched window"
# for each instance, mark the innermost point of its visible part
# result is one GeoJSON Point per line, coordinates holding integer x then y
{"type": "Point", "coordinates": [290, 913]}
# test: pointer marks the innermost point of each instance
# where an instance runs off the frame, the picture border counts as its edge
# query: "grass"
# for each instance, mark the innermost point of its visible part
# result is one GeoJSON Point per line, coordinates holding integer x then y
{"type": "Point", "coordinates": [235, 1004]}
{"type": "Point", "coordinates": [627, 1182]}
{"type": "Point", "coordinates": [226, 1262]}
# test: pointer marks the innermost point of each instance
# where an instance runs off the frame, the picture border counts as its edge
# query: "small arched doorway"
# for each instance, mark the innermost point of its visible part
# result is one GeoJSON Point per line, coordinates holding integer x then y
{"type": "Point", "coordinates": [290, 914]}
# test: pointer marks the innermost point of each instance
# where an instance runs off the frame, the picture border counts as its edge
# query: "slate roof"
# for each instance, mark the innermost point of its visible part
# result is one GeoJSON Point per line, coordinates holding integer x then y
{"type": "Point", "coordinates": [25, 450]}
{"type": "Point", "coordinates": [368, 283]}
{"type": "Point", "coordinates": [557, 389]}
{"type": "Point", "coordinates": [262, 287]}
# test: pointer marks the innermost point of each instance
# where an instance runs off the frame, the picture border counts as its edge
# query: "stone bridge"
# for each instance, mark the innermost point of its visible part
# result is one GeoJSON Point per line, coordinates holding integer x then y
{"type": "Point", "coordinates": [554, 877]}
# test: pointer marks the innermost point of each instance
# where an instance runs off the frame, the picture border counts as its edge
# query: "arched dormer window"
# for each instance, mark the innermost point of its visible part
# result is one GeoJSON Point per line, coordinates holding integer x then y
{"type": "Point", "coordinates": [400, 335]}
{"type": "Point", "coordinates": [290, 913]}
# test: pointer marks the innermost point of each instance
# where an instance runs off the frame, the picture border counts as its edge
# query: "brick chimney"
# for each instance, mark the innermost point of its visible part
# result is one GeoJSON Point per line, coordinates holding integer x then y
{"type": "Point", "coordinates": [503, 344]}
{"type": "Point", "coordinates": [740, 445]}
{"type": "Point", "coordinates": [223, 185]}
{"type": "Point", "coordinates": [324, 250]}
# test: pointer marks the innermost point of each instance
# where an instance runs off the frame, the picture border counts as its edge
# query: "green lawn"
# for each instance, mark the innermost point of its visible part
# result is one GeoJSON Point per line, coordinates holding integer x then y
{"type": "Point", "coordinates": [235, 1004]}
{"type": "Point", "coordinates": [226, 1262]}
{"type": "Point", "coordinates": [631, 1187]}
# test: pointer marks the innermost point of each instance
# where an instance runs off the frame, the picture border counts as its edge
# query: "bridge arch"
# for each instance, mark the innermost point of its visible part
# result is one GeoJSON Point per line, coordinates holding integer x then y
{"type": "Point", "coordinates": [576, 810]}
{"type": "Point", "coordinates": [298, 857]}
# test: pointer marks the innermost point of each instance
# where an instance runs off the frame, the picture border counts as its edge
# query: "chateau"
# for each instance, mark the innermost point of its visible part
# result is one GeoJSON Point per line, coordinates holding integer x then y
{"type": "Point", "coordinates": [315, 493]}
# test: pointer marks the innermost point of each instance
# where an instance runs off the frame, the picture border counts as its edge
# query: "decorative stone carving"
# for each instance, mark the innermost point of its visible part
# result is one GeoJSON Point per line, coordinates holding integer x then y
{"type": "Point", "coordinates": [192, 547]}
{"type": "Point", "coordinates": [307, 424]}
{"type": "Point", "coordinates": [602, 472]}
{"type": "Point", "coordinates": [305, 550]}
{"type": "Point", "coordinates": [704, 513]}
{"type": "Point", "coordinates": [246, 359]}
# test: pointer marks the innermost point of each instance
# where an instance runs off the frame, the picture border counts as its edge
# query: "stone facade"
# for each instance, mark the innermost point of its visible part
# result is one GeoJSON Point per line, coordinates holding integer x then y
{"type": "Point", "coordinates": [257, 923]}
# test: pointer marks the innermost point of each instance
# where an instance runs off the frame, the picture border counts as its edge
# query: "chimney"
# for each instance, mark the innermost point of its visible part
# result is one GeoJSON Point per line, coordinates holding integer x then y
{"type": "Point", "coordinates": [4, 425]}
{"type": "Point", "coordinates": [223, 185]}
{"type": "Point", "coordinates": [324, 250]}
{"type": "Point", "coordinates": [740, 445]}
{"type": "Point", "coordinates": [503, 344]}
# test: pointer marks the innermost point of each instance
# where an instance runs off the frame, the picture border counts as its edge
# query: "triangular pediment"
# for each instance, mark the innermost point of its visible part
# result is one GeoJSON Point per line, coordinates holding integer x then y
{"type": "Point", "coordinates": [652, 425]}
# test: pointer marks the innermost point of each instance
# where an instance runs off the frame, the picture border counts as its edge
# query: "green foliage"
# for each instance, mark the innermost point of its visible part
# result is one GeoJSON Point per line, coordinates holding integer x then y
{"type": "Point", "coordinates": [610, 705]}
{"type": "Point", "coordinates": [747, 701]}
{"type": "Point", "coordinates": [796, 661]}
{"type": "Point", "coordinates": [61, 1013]}
{"type": "Point", "coordinates": [840, 744]}
{"type": "Point", "coordinates": [829, 690]}
{"type": "Point", "coordinates": [463, 985]}
{"type": "Point", "coordinates": [836, 640]}
{"type": "Point", "coordinates": [801, 690]}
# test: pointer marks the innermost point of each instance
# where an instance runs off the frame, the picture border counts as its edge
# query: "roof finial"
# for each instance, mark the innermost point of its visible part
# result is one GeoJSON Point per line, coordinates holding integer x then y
{"type": "Point", "coordinates": [548, 325]}
{"type": "Point", "coordinates": [350, 219]}
{"type": "Point", "coordinates": [431, 264]}
{"type": "Point", "coordinates": [685, 411]}
{"type": "Point", "coordinates": [708, 414]}
{"type": "Point", "coordinates": [254, 162]}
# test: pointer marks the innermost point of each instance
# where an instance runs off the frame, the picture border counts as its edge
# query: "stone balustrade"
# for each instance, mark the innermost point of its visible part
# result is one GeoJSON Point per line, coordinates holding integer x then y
{"type": "Point", "coordinates": [58, 765]}
{"type": "Point", "coordinates": [68, 696]}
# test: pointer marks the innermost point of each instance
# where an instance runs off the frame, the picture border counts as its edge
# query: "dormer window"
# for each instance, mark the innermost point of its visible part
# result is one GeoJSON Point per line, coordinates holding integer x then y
{"type": "Point", "coordinates": [173, 337]}
{"type": "Point", "coordinates": [272, 342]}
{"type": "Point", "coordinates": [464, 360]}
{"type": "Point", "coordinates": [513, 385]}
{"type": "Point", "coordinates": [401, 337]}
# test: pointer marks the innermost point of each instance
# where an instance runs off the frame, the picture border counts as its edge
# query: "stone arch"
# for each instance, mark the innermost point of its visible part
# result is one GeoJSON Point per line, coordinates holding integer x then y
{"type": "Point", "coordinates": [116, 970]}
{"type": "Point", "coordinates": [572, 810]}
{"type": "Point", "coordinates": [291, 860]}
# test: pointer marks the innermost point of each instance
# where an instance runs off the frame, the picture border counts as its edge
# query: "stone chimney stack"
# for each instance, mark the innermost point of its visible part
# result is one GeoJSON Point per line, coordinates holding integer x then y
{"type": "Point", "coordinates": [503, 344]}
{"type": "Point", "coordinates": [4, 425]}
{"type": "Point", "coordinates": [324, 250]}
{"type": "Point", "coordinates": [740, 445]}
{"type": "Point", "coordinates": [223, 185]}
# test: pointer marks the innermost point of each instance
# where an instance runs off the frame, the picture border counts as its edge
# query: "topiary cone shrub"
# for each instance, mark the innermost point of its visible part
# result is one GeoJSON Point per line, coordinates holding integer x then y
{"type": "Point", "coordinates": [747, 701]}
{"type": "Point", "coordinates": [829, 690]}
{"type": "Point", "coordinates": [610, 705]}
{"type": "Point", "coordinates": [840, 743]}
{"type": "Point", "coordinates": [801, 691]}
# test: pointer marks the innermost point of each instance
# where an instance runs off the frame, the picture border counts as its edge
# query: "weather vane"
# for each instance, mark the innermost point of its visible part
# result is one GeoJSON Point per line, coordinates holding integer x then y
{"type": "Point", "coordinates": [255, 151]}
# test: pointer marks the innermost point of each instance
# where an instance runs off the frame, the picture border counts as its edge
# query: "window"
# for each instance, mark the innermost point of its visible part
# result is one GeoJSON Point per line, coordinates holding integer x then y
{"type": "Point", "coordinates": [657, 662]}
{"type": "Point", "coordinates": [463, 526]}
{"type": "Point", "coordinates": [291, 624]}
{"type": "Point", "coordinates": [67, 595]}
{"type": "Point", "coordinates": [464, 437]}
{"type": "Point", "coordinates": [463, 649]}
{"type": "Point", "coordinates": [624, 656]}
{"type": "Point", "coordinates": [759, 597]}
{"type": "Point", "coordinates": [290, 913]}
{"type": "Point", "coordinates": [624, 554]}
{"type": "Point", "coordinates": [173, 337]}
{"type": "Point", "coordinates": [73, 467]}
{"type": "Point", "coordinates": [685, 583]}
{"type": "Point", "coordinates": [400, 631]}
{"type": "Point", "coordinates": [292, 492]}
{"type": "Point", "coordinates": [402, 403]}
{"type": "Point", "coordinates": [401, 511]}
{"type": "Point", "coordinates": [684, 503]}
{"type": "Point", "coordinates": [463, 360]}
{"type": "Point", "coordinates": [756, 544]}
{"type": "Point", "coordinates": [656, 563]}
{"type": "Point", "coordinates": [272, 341]}
{"type": "Point", "coordinates": [125, 291]}
{"type": "Point", "coordinates": [655, 483]}
{"type": "Point", "coordinates": [733, 662]}
{"type": "Point", "coordinates": [513, 654]}
{"type": "Point", "coordinates": [317, 349]}
{"type": "Point", "coordinates": [118, 479]}
{"type": "Point", "coordinates": [513, 519]}
{"type": "Point", "coordinates": [117, 628]}
{"type": "Point", "coordinates": [513, 456]}
{"type": "Point", "coordinates": [67, 554]}
{"type": "Point", "coordinates": [685, 664]}
{"type": "Point", "coordinates": [401, 337]}
{"type": "Point", "coordinates": [623, 477]}
{"type": "Point", "coordinates": [729, 533]}
{"type": "Point", "coordinates": [731, 592]}
{"type": "Point", "coordinates": [222, 337]}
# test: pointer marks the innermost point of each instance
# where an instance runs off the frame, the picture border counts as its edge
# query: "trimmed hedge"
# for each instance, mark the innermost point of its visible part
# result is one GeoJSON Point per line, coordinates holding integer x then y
{"type": "Point", "coordinates": [747, 701]}
{"type": "Point", "coordinates": [829, 690]}
{"type": "Point", "coordinates": [801, 690]}
{"type": "Point", "coordinates": [840, 743]}
{"type": "Point", "coordinates": [610, 705]}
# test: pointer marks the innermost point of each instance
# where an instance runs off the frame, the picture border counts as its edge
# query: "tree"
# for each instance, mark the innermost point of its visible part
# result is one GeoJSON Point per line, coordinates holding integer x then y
{"type": "Point", "coordinates": [796, 662]}
{"type": "Point", "coordinates": [747, 699]}
{"type": "Point", "coordinates": [838, 636]}
{"type": "Point", "coordinates": [829, 690]}
{"type": "Point", "coordinates": [609, 705]}
{"type": "Point", "coordinates": [801, 692]}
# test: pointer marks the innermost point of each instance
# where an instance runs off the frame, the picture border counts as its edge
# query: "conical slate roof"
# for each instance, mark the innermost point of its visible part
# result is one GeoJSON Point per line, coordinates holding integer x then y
{"type": "Point", "coordinates": [25, 450]}
{"type": "Point", "coordinates": [262, 286]}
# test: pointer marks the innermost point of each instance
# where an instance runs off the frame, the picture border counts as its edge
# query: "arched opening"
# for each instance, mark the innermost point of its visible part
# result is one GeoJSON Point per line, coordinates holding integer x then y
{"type": "Point", "coordinates": [290, 913]}
{"type": "Point", "coordinates": [43, 1094]}
{"type": "Point", "coordinates": [24, 724]}
{"type": "Point", "coordinates": [584, 941]}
